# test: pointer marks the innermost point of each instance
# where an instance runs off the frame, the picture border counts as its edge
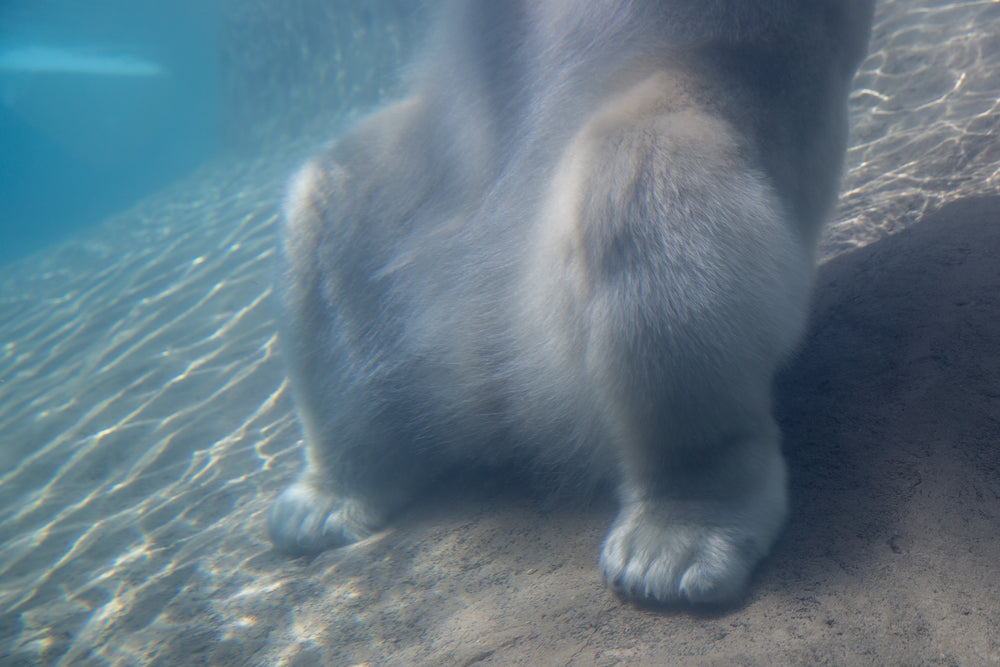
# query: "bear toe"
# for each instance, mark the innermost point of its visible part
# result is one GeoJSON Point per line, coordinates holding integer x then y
{"type": "Point", "coordinates": [672, 563]}
{"type": "Point", "coordinates": [304, 521]}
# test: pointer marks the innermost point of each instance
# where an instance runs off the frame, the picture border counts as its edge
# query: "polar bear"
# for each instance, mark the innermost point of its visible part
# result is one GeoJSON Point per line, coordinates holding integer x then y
{"type": "Point", "coordinates": [587, 237]}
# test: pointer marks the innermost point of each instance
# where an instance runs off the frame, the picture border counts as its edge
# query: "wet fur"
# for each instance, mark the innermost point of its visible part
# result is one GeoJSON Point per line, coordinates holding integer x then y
{"type": "Point", "coordinates": [586, 236]}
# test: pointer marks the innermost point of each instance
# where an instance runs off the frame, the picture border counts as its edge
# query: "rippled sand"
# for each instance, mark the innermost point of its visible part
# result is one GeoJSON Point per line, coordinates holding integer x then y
{"type": "Point", "coordinates": [924, 122]}
{"type": "Point", "coordinates": [145, 425]}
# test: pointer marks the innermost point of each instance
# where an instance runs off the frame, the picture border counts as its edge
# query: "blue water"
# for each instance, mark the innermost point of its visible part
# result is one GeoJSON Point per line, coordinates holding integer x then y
{"type": "Point", "coordinates": [101, 103]}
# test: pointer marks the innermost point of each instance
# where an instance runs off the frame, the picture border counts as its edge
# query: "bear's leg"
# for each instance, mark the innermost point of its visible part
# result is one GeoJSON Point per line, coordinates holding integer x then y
{"type": "Point", "coordinates": [357, 475]}
{"type": "Point", "coordinates": [357, 391]}
{"type": "Point", "coordinates": [679, 286]}
{"type": "Point", "coordinates": [697, 531]}
{"type": "Point", "coordinates": [322, 510]}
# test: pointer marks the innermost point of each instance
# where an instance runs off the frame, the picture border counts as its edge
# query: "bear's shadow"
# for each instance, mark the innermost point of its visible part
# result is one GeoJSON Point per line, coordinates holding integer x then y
{"type": "Point", "coordinates": [891, 403]}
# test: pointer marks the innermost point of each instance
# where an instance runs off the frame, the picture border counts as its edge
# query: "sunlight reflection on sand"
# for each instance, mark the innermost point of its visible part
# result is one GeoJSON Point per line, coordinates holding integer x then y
{"type": "Point", "coordinates": [924, 121]}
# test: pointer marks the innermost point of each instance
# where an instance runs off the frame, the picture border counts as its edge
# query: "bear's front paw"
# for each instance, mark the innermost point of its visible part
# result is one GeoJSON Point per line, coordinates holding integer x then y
{"type": "Point", "coordinates": [305, 521]}
{"type": "Point", "coordinates": [654, 551]}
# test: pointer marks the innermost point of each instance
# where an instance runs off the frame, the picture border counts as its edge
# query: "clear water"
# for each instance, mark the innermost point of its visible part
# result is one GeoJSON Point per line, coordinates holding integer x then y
{"type": "Point", "coordinates": [145, 422]}
{"type": "Point", "coordinates": [101, 103]}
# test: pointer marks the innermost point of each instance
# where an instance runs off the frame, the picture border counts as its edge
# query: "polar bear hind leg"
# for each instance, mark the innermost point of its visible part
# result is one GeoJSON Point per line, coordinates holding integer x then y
{"type": "Point", "coordinates": [679, 284]}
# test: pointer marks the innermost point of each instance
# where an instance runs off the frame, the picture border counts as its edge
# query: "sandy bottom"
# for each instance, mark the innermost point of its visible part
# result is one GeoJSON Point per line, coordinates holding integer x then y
{"type": "Point", "coordinates": [146, 425]}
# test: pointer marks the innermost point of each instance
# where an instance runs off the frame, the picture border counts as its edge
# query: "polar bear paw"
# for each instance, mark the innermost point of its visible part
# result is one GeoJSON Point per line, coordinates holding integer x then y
{"type": "Point", "coordinates": [305, 521]}
{"type": "Point", "coordinates": [651, 554]}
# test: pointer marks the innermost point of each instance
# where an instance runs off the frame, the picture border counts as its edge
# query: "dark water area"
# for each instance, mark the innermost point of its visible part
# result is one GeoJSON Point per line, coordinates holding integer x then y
{"type": "Point", "coordinates": [101, 103]}
{"type": "Point", "coordinates": [104, 103]}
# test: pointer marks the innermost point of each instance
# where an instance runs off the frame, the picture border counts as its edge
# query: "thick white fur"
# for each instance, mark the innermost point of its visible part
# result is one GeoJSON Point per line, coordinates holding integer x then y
{"type": "Point", "coordinates": [587, 236]}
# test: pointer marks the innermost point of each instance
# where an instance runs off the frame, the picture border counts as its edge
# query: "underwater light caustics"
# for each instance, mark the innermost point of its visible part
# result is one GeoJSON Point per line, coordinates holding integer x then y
{"type": "Point", "coordinates": [55, 60]}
